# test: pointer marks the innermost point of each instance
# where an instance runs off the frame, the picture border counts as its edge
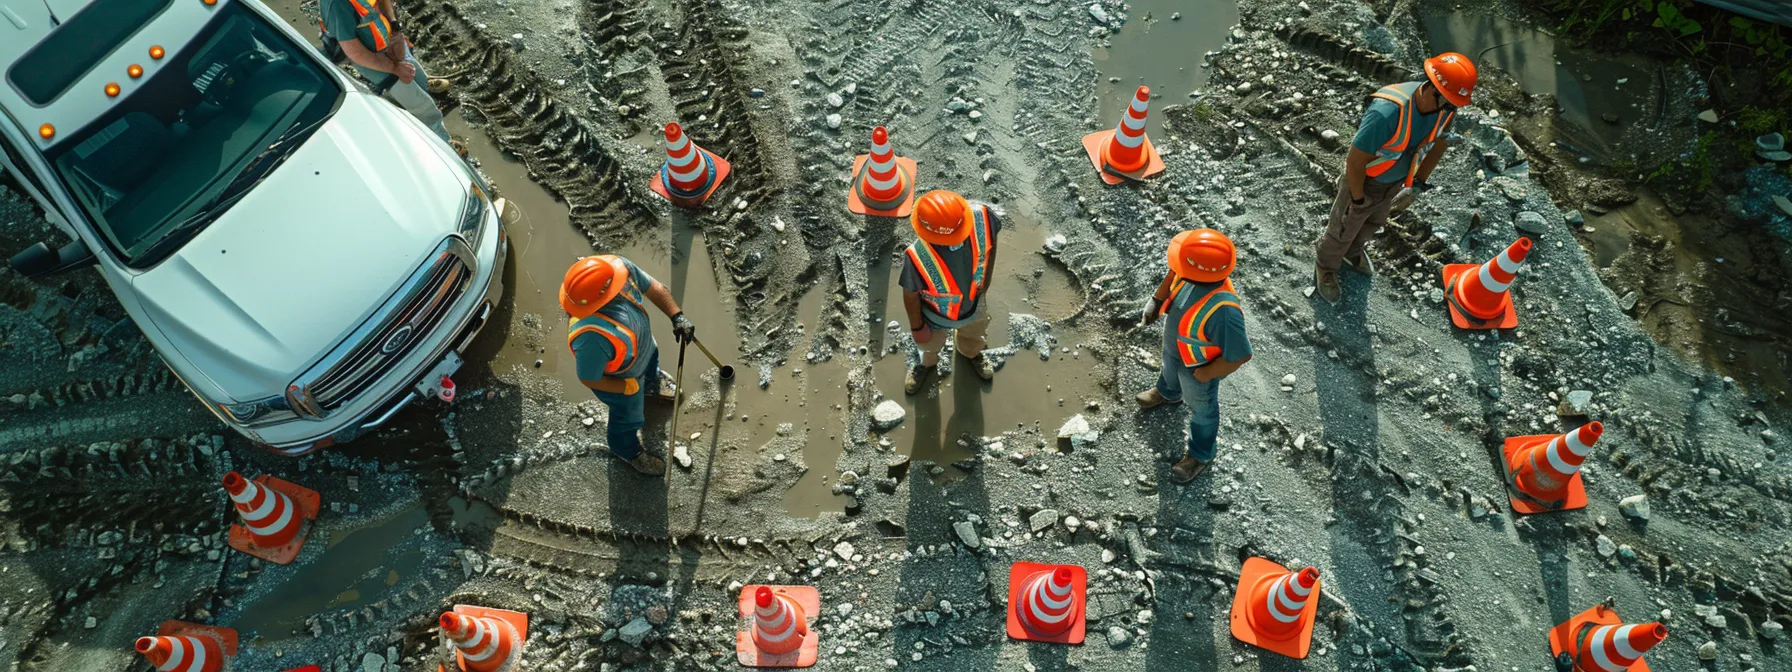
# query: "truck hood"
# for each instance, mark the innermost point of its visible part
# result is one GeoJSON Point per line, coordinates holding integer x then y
{"type": "Point", "coordinates": [309, 254]}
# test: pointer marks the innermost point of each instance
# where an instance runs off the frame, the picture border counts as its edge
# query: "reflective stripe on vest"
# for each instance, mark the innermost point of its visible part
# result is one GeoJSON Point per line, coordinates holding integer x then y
{"type": "Point", "coordinates": [623, 344]}
{"type": "Point", "coordinates": [1390, 152]}
{"type": "Point", "coordinates": [1191, 332]}
{"type": "Point", "coordinates": [377, 25]}
{"type": "Point", "coordinates": [942, 295]}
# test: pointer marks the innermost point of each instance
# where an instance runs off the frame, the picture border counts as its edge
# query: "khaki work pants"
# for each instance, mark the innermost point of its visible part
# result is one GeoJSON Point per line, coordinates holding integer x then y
{"type": "Point", "coordinates": [1351, 226]}
{"type": "Point", "coordinates": [969, 341]}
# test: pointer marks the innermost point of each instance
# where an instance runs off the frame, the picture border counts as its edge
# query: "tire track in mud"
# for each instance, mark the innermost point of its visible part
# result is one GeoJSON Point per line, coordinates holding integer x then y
{"type": "Point", "coordinates": [561, 154]}
{"type": "Point", "coordinates": [709, 94]}
{"type": "Point", "coordinates": [613, 31]}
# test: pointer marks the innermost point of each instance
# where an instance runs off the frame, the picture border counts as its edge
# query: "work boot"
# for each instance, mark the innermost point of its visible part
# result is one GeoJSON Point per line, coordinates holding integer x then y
{"type": "Point", "coordinates": [984, 366]}
{"type": "Point", "coordinates": [1361, 264]}
{"type": "Point", "coordinates": [1326, 281]}
{"type": "Point", "coordinates": [459, 145]}
{"type": "Point", "coordinates": [1151, 398]}
{"type": "Point", "coordinates": [439, 86]}
{"type": "Point", "coordinates": [648, 464]}
{"type": "Point", "coordinates": [916, 376]}
{"type": "Point", "coordinates": [1186, 470]}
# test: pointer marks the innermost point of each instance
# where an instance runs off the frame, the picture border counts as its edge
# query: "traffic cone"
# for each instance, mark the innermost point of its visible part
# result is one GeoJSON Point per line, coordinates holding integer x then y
{"type": "Point", "coordinates": [690, 173]}
{"type": "Point", "coordinates": [883, 184]}
{"type": "Point", "coordinates": [485, 640]}
{"type": "Point", "coordinates": [1543, 471]}
{"type": "Point", "coordinates": [1599, 641]}
{"type": "Point", "coordinates": [276, 515]}
{"type": "Point", "coordinates": [1274, 608]}
{"type": "Point", "coordinates": [1481, 299]}
{"type": "Point", "coordinates": [179, 646]}
{"type": "Point", "coordinates": [1045, 602]}
{"type": "Point", "coordinates": [777, 631]}
{"type": "Point", "coordinates": [1125, 153]}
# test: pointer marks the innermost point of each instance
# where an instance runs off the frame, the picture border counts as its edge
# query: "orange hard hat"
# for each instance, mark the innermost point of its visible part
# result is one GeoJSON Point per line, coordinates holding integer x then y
{"type": "Point", "coordinates": [1202, 255]}
{"type": "Point", "coordinates": [591, 283]}
{"type": "Point", "coordinates": [942, 218]}
{"type": "Point", "coordinates": [1453, 75]}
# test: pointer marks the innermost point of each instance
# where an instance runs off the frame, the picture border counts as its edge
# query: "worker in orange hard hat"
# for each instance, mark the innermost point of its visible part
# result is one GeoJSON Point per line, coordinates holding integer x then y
{"type": "Point", "coordinates": [1397, 144]}
{"type": "Point", "coordinates": [611, 339]}
{"type": "Point", "coordinates": [945, 276]}
{"type": "Point", "coordinates": [1204, 339]}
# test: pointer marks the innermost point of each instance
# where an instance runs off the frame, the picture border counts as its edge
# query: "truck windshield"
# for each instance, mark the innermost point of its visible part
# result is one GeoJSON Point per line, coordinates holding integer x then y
{"type": "Point", "coordinates": [201, 131]}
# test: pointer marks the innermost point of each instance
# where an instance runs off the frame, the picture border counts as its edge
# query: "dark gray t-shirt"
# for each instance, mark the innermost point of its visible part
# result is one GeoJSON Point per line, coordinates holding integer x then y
{"type": "Point", "coordinates": [1377, 127]}
{"type": "Point", "coordinates": [958, 263]}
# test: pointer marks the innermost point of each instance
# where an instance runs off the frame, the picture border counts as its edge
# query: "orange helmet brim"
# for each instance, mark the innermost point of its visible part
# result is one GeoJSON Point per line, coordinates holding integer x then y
{"type": "Point", "coordinates": [618, 279]}
{"type": "Point", "coordinates": [962, 234]}
{"type": "Point", "coordinates": [1456, 99]}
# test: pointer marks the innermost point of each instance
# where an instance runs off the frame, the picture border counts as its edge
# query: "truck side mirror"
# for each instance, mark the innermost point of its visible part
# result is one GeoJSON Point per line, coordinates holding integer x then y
{"type": "Point", "coordinates": [39, 259]}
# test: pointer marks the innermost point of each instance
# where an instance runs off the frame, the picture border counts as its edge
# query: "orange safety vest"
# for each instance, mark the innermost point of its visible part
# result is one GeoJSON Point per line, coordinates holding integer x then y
{"type": "Point", "coordinates": [624, 346]}
{"type": "Point", "coordinates": [942, 294]}
{"type": "Point", "coordinates": [1191, 331]}
{"type": "Point", "coordinates": [377, 25]}
{"type": "Point", "coordinates": [1390, 152]}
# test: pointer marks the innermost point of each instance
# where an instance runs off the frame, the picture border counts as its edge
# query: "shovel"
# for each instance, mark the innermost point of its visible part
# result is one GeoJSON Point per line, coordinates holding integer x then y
{"type": "Point", "coordinates": [726, 373]}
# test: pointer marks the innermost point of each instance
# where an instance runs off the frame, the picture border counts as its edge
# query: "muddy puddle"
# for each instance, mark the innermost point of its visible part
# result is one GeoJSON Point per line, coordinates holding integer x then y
{"type": "Point", "coordinates": [356, 568]}
{"type": "Point", "coordinates": [1161, 52]}
{"type": "Point", "coordinates": [1600, 96]}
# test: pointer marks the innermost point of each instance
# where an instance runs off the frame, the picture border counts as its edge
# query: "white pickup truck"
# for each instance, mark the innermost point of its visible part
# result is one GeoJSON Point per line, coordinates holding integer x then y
{"type": "Point", "coordinates": [304, 255]}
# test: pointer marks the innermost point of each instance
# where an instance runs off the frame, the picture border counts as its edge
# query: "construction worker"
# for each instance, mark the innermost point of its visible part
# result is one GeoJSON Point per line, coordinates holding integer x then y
{"type": "Point", "coordinates": [612, 341]}
{"type": "Point", "coordinates": [945, 276]}
{"type": "Point", "coordinates": [368, 32]}
{"type": "Point", "coordinates": [1204, 339]}
{"type": "Point", "coordinates": [1384, 170]}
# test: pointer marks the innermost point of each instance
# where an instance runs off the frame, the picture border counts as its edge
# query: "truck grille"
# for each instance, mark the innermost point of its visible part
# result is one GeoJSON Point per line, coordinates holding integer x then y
{"type": "Point", "coordinates": [371, 352]}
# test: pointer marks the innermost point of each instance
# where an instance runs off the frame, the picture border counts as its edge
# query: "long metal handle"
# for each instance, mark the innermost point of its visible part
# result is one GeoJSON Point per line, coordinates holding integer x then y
{"type": "Point", "coordinates": [727, 372]}
{"type": "Point", "coordinates": [677, 399]}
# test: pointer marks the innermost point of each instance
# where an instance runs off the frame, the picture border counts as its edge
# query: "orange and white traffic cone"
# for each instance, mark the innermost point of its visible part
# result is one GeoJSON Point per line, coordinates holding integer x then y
{"type": "Point", "coordinates": [1599, 641]}
{"type": "Point", "coordinates": [276, 515]}
{"type": "Point", "coordinates": [777, 632]}
{"type": "Point", "coordinates": [690, 173]}
{"type": "Point", "coordinates": [883, 184]}
{"type": "Point", "coordinates": [1125, 154]}
{"type": "Point", "coordinates": [1046, 602]}
{"type": "Point", "coordinates": [179, 646]}
{"type": "Point", "coordinates": [1274, 608]}
{"type": "Point", "coordinates": [485, 640]}
{"type": "Point", "coordinates": [1480, 295]}
{"type": "Point", "coordinates": [1543, 471]}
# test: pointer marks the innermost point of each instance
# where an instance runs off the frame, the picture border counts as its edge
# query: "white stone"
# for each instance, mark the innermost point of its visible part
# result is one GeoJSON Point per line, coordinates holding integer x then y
{"type": "Point", "coordinates": [833, 121]}
{"type": "Point", "coordinates": [844, 550]}
{"type": "Point", "coordinates": [373, 662]}
{"type": "Point", "coordinates": [1634, 506]}
{"type": "Point", "coordinates": [967, 533]}
{"type": "Point", "coordinates": [682, 455]}
{"type": "Point", "coordinates": [887, 415]}
{"type": "Point", "coordinates": [1042, 519]}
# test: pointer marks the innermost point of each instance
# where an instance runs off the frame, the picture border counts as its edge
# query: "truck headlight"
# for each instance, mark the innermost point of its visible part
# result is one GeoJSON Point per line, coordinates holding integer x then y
{"type": "Point", "coordinates": [260, 412]}
{"type": "Point", "coordinates": [472, 215]}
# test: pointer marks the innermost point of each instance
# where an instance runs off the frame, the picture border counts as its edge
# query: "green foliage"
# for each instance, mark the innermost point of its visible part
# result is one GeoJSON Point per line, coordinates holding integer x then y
{"type": "Point", "coordinates": [1697, 167]}
{"type": "Point", "coordinates": [1669, 18]}
{"type": "Point", "coordinates": [1202, 111]}
{"type": "Point", "coordinates": [1751, 120]}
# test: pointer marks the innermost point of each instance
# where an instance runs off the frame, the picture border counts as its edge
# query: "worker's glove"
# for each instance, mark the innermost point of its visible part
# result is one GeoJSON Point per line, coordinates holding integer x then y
{"type": "Point", "coordinates": [1402, 200]}
{"type": "Point", "coordinates": [1152, 308]}
{"type": "Point", "coordinates": [683, 329]}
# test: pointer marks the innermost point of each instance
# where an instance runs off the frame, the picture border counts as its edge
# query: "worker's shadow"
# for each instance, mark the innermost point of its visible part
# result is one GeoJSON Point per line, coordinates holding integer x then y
{"type": "Point", "coordinates": [1187, 626]}
{"type": "Point", "coordinates": [880, 241]}
{"type": "Point", "coordinates": [940, 568]}
{"type": "Point", "coordinates": [638, 508]}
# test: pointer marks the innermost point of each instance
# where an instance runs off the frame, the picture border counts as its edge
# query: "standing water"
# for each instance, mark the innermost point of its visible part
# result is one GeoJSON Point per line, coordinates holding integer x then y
{"type": "Point", "coordinates": [1161, 45]}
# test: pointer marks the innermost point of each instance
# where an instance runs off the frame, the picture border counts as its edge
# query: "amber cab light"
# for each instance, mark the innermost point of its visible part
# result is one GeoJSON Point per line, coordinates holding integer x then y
{"type": "Point", "coordinates": [112, 90]}
{"type": "Point", "coordinates": [156, 52]}
{"type": "Point", "coordinates": [134, 71]}
{"type": "Point", "coordinates": [46, 131]}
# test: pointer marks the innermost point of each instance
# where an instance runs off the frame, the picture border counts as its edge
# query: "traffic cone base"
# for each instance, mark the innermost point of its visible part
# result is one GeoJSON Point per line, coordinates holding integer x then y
{"type": "Point", "coordinates": [307, 668]}
{"type": "Point", "coordinates": [226, 636]}
{"type": "Point", "coordinates": [1576, 493]}
{"type": "Point", "coordinates": [1017, 579]}
{"type": "Point", "coordinates": [1093, 142]}
{"type": "Point", "coordinates": [1507, 319]}
{"type": "Point", "coordinates": [1257, 571]}
{"type": "Point", "coordinates": [1561, 637]}
{"type": "Point", "coordinates": [748, 653]}
{"type": "Point", "coordinates": [305, 499]}
{"type": "Point", "coordinates": [516, 619]}
{"type": "Point", "coordinates": [722, 169]}
{"type": "Point", "coordinates": [904, 165]}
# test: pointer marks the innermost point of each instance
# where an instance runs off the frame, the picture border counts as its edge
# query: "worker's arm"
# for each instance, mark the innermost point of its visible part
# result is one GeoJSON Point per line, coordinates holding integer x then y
{"type": "Point", "coordinates": [1356, 171]}
{"type": "Point", "coordinates": [1431, 158]}
{"type": "Point", "coordinates": [374, 60]}
{"type": "Point", "coordinates": [989, 266]}
{"type": "Point", "coordinates": [662, 299]}
{"type": "Point", "coordinates": [1156, 304]}
{"type": "Point", "coordinates": [917, 327]}
{"type": "Point", "coordinates": [1218, 369]}
{"type": "Point", "coordinates": [395, 48]}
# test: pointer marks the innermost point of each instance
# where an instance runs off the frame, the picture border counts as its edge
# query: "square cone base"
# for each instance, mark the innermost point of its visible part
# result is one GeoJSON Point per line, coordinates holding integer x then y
{"type": "Point", "coordinates": [1561, 637]}
{"type": "Point", "coordinates": [309, 668]}
{"type": "Point", "coordinates": [516, 619]}
{"type": "Point", "coordinates": [1079, 590]}
{"type": "Point", "coordinates": [302, 497]}
{"type": "Point", "coordinates": [1257, 570]}
{"type": "Point", "coordinates": [1507, 319]}
{"type": "Point", "coordinates": [1575, 495]}
{"type": "Point", "coordinates": [226, 636]}
{"type": "Point", "coordinates": [749, 654]}
{"type": "Point", "coordinates": [722, 170]}
{"type": "Point", "coordinates": [905, 166]}
{"type": "Point", "coordinates": [1093, 142]}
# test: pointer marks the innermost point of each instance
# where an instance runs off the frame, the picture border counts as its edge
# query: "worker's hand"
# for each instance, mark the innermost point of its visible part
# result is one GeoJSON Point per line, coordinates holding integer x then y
{"type": "Point", "coordinates": [405, 71]}
{"type": "Point", "coordinates": [922, 335]}
{"type": "Point", "coordinates": [1149, 315]}
{"type": "Point", "coordinates": [1203, 374]}
{"type": "Point", "coordinates": [683, 329]}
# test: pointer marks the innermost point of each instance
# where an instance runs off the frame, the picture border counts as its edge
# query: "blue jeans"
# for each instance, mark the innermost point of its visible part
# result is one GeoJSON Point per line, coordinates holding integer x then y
{"type": "Point", "coordinates": [628, 412]}
{"type": "Point", "coordinates": [1177, 383]}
